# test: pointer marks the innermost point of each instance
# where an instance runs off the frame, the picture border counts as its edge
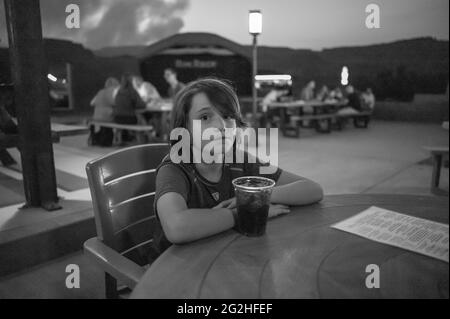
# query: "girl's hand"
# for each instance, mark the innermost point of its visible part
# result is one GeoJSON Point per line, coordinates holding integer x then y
{"type": "Point", "coordinates": [229, 203]}
{"type": "Point", "coordinates": [277, 209]}
{"type": "Point", "coordinates": [274, 209]}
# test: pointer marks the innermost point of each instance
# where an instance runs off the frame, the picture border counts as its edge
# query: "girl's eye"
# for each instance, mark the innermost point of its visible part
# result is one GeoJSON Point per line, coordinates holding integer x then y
{"type": "Point", "coordinates": [204, 117]}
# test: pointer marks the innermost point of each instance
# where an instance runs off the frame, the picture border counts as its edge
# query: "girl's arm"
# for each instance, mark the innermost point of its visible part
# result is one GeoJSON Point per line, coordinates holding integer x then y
{"type": "Point", "coordinates": [181, 224]}
{"type": "Point", "coordinates": [294, 190]}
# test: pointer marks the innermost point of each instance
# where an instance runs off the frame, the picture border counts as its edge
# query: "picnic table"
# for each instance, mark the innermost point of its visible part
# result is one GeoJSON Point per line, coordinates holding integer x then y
{"type": "Point", "coordinates": [301, 256]}
{"type": "Point", "coordinates": [319, 113]}
{"type": "Point", "coordinates": [159, 114]}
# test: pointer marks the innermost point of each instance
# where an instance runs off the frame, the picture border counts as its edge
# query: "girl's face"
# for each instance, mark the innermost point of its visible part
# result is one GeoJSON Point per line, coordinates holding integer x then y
{"type": "Point", "coordinates": [204, 112]}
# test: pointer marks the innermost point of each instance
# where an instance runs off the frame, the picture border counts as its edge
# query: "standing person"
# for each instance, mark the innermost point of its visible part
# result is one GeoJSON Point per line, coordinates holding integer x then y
{"type": "Point", "coordinates": [103, 104]}
{"type": "Point", "coordinates": [196, 200]}
{"type": "Point", "coordinates": [175, 86]}
{"type": "Point", "coordinates": [126, 103]}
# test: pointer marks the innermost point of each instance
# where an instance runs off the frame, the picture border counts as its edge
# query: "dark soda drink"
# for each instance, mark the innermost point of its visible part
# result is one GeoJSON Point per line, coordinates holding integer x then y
{"type": "Point", "coordinates": [252, 201]}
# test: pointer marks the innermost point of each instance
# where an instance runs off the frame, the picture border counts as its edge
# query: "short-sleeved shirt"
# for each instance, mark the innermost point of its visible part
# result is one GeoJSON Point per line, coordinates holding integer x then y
{"type": "Point", "coordinates": [197, 191]}
{"type": "Point", "coordinates": [104, 104]}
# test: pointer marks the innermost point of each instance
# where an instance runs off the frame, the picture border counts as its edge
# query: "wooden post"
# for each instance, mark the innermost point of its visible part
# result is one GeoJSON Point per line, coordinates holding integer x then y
{"type": "Point", "coordinates": [29, 73]}
{"type": "Point", "coordinates": [69, 83]}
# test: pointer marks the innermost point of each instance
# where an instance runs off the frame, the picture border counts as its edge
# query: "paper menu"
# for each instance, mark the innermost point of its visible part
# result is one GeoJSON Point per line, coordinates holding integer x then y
{"type": "Point", "coordinates": [415, 234]}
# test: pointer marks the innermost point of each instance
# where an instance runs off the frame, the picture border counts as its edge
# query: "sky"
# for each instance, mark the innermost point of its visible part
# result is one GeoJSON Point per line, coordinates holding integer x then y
{"type": "Point", "coordinates": [308, 24]}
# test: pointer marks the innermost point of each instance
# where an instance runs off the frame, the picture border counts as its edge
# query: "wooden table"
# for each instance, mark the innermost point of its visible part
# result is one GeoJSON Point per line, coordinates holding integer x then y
{"type": "Point", "coordinates": [162, 111]}
{"type": "Point", "coordinates": [302, 257]}
{"type": "Point", "coordinates": [319, 110]}
{"type": "Point", "coordinates": [317, 106]}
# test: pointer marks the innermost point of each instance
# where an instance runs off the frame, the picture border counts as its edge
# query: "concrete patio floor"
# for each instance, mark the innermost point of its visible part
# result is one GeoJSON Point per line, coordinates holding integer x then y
{"type": "Point", "coordinates": [388, 157]}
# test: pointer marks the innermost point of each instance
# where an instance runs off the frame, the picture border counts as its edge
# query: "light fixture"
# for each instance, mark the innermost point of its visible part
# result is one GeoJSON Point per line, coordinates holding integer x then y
{"type": "Point", "coordinates": [273, 77]}
{"type": "Point", "coordinates": [51, 77]}
{"type": "Point", "coordinates": [344, 75]}
{"type": "Point", "coordinates": [255, 22]}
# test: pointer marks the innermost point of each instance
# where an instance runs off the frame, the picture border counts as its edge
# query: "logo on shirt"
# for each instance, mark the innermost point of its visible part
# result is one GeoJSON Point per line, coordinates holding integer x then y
{"type": "Point", "coordinates": [216, 196]}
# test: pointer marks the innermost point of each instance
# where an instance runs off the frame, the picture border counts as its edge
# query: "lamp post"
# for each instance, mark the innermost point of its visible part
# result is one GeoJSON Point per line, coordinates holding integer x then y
{"type": "Point", "coordinates": [255, 28]}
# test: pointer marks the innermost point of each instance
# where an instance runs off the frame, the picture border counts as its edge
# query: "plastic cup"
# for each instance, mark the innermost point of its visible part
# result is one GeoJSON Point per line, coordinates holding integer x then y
{"type": "Point", "coordinates": [252, 201]}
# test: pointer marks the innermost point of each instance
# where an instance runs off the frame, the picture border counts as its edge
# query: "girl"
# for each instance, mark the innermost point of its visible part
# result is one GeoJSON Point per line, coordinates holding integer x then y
{"type": "Point", "coordinates": [195, 200]}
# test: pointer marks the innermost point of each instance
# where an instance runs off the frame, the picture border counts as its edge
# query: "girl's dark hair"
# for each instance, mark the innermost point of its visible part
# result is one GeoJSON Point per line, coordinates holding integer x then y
{"type": "Point", "coordinates": [221, 94]}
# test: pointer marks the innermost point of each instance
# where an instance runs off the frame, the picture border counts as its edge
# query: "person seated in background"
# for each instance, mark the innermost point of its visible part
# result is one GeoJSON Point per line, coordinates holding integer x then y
{"type": "Point", "coordinates": [336, 95]}
{"type": "Point", "coordinates": [175, 86]}
{"type": "Point", "coordinates": [148, 93]}
{"type": "Point", "coordinates": [307, 93]}
{"type": "Point", "coordinates": [273, 96]}
{"type": "Point", "coordinates": [152, 100]}
{"type": "Point", "coordinates": [103, 103]}
{"type": "Point", "coordinates": [368, 99]}
{"type": "Point", "coordinates": [353, 103]}
{"type": "Point", "coordinates": [196, 200]}
{"type": "Point", "coordinates": [127, 102]}
{"type": "Point", "coordinates": [323, 93]}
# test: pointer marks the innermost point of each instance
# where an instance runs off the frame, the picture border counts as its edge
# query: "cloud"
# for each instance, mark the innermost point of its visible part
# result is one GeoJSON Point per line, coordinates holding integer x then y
{"type": "Point", "coordinates": [110, 22]}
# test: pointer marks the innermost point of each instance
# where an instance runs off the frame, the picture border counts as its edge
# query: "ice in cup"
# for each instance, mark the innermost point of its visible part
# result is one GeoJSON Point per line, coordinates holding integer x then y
{"type": "Point", "coordinates": [252, 201]}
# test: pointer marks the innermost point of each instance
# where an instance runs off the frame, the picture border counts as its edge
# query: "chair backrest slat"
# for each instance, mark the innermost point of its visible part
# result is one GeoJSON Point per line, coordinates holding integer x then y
{"type": "Point", "coordinates": [122, 186]}
{"type": "Point", "coordinates": [132, 211]}
{"type": "Point", "coordinates": [135, 234]}
{"type": "Point", "coordinates": [131, 160]}
{"type": "Point", "coordinates": [123, 189]}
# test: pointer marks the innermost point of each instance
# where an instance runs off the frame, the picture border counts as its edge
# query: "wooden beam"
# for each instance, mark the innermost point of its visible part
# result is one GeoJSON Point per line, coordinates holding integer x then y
{"type": "Point", "coordinates": [29, 72]}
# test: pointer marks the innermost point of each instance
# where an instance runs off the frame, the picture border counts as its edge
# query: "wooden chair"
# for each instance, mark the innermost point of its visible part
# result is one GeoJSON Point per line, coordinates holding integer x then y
{"type": "Point", "coordinates": [122, 186]}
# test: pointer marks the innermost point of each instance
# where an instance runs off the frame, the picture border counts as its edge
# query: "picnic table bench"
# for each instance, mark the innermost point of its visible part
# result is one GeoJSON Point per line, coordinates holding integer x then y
{"type": "Point", "coordinates": [360, 119]}
{"type": "Point", "coordinates": [321, 122]}
{"type": "Point", "coordinates": [144, 133]}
